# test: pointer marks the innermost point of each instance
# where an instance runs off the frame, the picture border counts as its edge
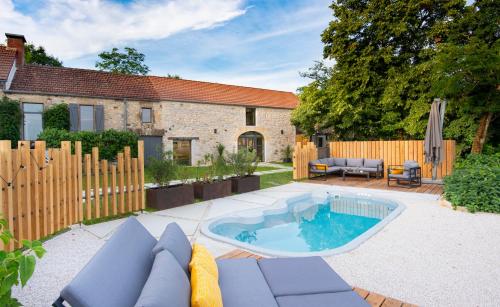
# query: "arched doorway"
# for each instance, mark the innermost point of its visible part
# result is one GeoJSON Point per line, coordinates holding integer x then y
{"type": "Point", "coordinates": [252, 141]}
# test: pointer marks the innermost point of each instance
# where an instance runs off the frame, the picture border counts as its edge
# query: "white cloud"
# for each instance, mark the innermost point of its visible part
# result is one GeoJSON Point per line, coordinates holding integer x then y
{"type": "Point", "coordinates": [73, 28]}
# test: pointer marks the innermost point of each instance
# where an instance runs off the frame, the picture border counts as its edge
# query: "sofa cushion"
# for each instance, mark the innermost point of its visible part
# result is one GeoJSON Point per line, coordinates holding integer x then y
{"type": "Point", "coordinates": [339, 161]}
{"type": "Point", "coordinates": [355, 162]}
{"type": "Point", "coordinates": [117, 273]}
{"type": "Point", "coordinates": [341, 299]}
{"type": "Point", "coordinates": [330, 161]}
{"type": "Point", "coordinates": [167, 285]}
{"type": "Point", "coordinates": [333, 169]}
{"type": "Point", "coordinates": [404, 175]}
{"type": "Point", "coordinates": [304, 275]}
{"type": "Point", "coordinates": [205, 290]}
{"type": "Point", "coordinates": [372, 163]}
{"type": "Point", "coordinates": [202, 257]}
{"type": "Point", "coordinates": [410, 164]}
{"type": "Point", "coordinates": [175, 241]}
{"type": "Point", "coordinates": [243, 285]}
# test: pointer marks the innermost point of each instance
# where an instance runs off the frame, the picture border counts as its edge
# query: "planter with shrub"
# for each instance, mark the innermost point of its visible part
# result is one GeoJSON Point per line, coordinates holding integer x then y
{"type": "Point", "coordinates": [165, 196]}
{"type": "Point", "coordinates": [243, 164]}
{"type": "Point", "coordinates": [213, 185]}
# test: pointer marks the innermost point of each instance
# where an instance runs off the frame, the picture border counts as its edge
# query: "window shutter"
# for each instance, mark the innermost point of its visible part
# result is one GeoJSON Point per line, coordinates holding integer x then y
{"type": "Point", "coordinates": [73, 117]}
{"type": "Point", "coordinates": [99, 117]}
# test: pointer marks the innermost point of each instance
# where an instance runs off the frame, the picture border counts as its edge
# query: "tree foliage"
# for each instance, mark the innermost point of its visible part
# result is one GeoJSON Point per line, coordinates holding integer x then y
{"type": "Point", "coordinates": [10, 120]}
{"type": "Point", "coordinates": [37, 55]}
{"type": "Point", "coordinates": [57, 117]}
{"type": "Point", "coordinates": [130, 62]}
{"type": "Point", "coordinates": [385, 57]}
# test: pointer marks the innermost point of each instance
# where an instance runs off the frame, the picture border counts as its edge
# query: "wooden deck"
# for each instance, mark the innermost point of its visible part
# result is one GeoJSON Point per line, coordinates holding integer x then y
{"type": "Point", "coordinates": [374, 299]}
{"type": "Point", "coordinates": [373, 183]}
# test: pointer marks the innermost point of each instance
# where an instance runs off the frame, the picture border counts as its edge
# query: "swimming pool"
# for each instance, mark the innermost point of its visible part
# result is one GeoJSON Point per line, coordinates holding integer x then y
{"type": "Point", "coordinates": [324, 224]}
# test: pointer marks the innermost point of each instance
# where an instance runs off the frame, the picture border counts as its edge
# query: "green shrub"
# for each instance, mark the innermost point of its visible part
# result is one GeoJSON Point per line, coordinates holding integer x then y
{"type": "Point", "coordinates": [16, 266]}
{"type": "Point", "coordinates": [10, 120]}
{"type": "Point", "coordinates": [163, 169]}
{"type": "Point", "coordinates": [57, 117]}
{"type": "Point", "coordinates": [243, 163]}
{"type": "Point", "coordinates": [475, 183]}
{"type": "Point", "coordinates": [109, 142]}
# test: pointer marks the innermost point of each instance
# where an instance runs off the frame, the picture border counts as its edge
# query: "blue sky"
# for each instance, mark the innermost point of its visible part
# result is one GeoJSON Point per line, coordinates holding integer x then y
{"type": "Point", "coordinates": [253, 43]}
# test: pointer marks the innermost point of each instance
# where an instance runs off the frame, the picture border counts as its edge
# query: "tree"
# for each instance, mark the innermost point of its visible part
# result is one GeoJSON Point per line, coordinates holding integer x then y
{"type": "Point", "coordinates": [10, 120]}
{"type": "Point", "coordinates": [130, 62]}
{"type": "Point", "coordinates": [379, 86]}
{"type": "Point", "coordinates": [37, 55]}
{"type": "Point", "coordinates": [466, 71]}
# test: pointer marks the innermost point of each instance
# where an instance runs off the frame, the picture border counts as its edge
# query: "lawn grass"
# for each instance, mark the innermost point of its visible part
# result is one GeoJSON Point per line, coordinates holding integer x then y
{"type": "Point", "coordinates": [276, 179]}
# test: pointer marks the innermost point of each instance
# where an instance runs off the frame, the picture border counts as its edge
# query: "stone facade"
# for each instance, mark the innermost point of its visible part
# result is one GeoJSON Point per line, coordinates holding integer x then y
{"type": "Point", "coordinates": [207, 124]}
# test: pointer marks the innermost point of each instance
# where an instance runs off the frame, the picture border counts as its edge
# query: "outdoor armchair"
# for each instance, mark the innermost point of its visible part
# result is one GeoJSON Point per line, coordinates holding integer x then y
{"type": "Point", "coordinates": [409, 174]}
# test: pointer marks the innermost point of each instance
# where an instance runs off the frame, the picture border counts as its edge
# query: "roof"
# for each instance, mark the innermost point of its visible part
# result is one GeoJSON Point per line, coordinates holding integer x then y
{"type": "Point", "coordinates": [7, 57]}
{"type": "Point", "coordinates": [65, 81]}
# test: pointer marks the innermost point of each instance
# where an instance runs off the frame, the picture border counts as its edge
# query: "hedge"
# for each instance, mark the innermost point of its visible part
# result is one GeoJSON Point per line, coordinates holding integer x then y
{"type": "Point", "coordinates": [475, 183]}
{"type": "Point", "coordinates": [57, 117]}
{"type": "Point", "coordinates": [110, 142]}
{"type": "Point", "coordinates": [10, 120]}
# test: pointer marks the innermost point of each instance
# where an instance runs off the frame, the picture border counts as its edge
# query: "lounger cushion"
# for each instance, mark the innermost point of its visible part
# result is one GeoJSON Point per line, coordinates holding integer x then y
{"type": "Point", "coordinates": [340, 161]}
{"type": "Point", "coordinates": [243, 285]}
{"type": "Point", "coordinates": [175, 241]}
{"type": "Point", "coordinates": [303, 275]}
{"type": "Point", "coordinates": [372, 163]}
{"type": "Point", "coordinates": [117, 273]}
{"type": "Point", "coordinates": [355, 162]}
{"type": "Point", "coordinates": [338, 299]}
{"type": "Point", "coordinates": [167, 284]}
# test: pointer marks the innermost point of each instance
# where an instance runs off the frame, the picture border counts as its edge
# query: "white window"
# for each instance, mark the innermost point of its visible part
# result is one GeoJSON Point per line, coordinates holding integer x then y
{"type": "Point", "coordinates": [146, 115]}
{"type": "Point", "coordinates": [87, 118]}
{"type": "Point", "coordinates": [32, 123]}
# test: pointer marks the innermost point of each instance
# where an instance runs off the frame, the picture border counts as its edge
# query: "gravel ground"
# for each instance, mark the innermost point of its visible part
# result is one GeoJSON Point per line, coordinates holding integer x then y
{"type": "Point", "coordinates": [429, 255]}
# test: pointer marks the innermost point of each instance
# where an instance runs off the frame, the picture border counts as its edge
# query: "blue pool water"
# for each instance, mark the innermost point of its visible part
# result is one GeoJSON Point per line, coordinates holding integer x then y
{"type": "Point", "coordinates": [308, 226]}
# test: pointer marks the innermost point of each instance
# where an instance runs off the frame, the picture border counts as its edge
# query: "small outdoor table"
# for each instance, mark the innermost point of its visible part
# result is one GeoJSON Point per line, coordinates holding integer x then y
{"type": "Point", "coordinates": [355, 171]}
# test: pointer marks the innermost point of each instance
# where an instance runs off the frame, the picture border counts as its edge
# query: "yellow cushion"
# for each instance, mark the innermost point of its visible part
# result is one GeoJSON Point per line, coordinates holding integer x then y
{"type": "Point", "coordinates": [202, 257]}
{"type": "Point", "coordinates": [205, 291]}
{"type": "Point", "coordinates": [397, 171]}
{"type": "Point", "coordinates": [322, 167]}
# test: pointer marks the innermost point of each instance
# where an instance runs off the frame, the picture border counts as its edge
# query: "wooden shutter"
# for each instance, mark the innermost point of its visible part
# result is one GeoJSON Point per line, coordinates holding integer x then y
{"type": "Point", "coordinates": [74, 118]}
{"type": "Point", "coordinates": [99, 117]}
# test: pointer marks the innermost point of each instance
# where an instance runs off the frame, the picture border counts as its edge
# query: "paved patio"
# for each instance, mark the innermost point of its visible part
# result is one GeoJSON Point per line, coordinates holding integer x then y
{"type": "Point", "coordinates": [429, 255]}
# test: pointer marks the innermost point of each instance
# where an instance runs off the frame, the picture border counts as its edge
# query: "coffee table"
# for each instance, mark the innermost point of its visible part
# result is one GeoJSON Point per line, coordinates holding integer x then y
{"type": "Point", "coordinates": [355, 171]}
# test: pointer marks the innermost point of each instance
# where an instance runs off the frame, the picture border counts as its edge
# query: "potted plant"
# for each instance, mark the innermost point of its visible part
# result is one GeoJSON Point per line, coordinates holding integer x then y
{"type": "Point", "coordinates": [165, 196]}
{"type": "Point", "coordinates": [287, 153]}
{"type": "Point", "coordinates": [243, 164]}
{"type": "Point", "coordinates": [213, 184]}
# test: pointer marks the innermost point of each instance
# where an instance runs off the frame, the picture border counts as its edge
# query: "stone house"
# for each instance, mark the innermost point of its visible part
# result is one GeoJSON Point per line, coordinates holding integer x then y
{"type": "Point", "coordinates": [187, 117]}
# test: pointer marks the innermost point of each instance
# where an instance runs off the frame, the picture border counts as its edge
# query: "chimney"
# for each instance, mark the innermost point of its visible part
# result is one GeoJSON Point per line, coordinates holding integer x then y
{"type": "Point", "coordinates": [17, 41]}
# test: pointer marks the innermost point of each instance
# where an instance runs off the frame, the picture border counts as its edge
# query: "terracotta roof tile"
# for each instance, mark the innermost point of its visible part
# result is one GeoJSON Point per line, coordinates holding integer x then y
{"type": "Point", "coordinates": [92, 83]}
{"type": "Point", "coordinates": [7, 57]}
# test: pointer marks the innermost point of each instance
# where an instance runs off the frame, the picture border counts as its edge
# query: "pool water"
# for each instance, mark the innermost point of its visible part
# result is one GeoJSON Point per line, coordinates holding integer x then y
{"type": "Point", "coordinates": [308, 226]}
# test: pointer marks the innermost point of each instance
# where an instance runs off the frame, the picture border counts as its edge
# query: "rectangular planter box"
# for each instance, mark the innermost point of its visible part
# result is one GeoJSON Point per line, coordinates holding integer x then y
{"type": "Point", "coordinates": [212, 190]}
{"type": "Point", "coordinates": [245, 184]}
{"type": "Point", "coordinates": [170, 197]}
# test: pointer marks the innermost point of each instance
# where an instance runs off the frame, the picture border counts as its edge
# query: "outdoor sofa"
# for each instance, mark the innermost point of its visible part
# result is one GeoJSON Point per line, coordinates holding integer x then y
{"type": "Point", "coordinates": [134, 269]}
{"type": "Point", "coordinates": [326, 166]}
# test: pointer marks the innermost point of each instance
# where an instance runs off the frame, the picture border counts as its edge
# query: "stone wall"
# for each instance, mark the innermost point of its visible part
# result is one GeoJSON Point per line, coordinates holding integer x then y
{"type": "Point", "coordinates": [189, 120]}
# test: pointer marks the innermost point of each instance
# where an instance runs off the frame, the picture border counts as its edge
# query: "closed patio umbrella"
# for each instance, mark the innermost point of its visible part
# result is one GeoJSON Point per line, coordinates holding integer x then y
{"type": "Point", "coordinates": [433, 143]}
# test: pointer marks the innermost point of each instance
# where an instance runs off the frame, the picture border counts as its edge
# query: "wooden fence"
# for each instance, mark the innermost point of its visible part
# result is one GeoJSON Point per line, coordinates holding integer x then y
{"type": "Point", "coordinates": [392, 152]}
{"type": "Point", "coordinates": [46, 190]}
{"type": "Point", "coordinates": [303, 153]}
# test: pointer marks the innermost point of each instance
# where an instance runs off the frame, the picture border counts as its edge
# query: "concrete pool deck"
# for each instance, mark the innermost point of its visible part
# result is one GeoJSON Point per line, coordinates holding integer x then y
{"type": "Point", "coordinates": [429, 255]}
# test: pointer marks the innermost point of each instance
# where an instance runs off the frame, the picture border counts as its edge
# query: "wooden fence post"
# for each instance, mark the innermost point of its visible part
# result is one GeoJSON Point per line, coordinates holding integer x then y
{"type": "Point", "coordinates": [97, 196]}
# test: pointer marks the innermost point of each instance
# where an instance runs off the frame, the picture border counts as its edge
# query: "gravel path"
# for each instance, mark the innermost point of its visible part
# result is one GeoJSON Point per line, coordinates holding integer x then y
{"type": "Point", "coordinates": [429, 255]}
